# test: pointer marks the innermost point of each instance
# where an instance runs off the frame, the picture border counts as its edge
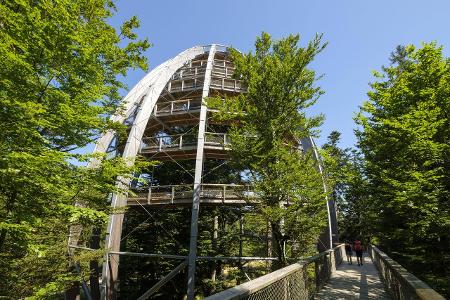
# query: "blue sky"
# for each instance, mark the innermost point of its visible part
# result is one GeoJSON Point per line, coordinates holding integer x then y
{"type": "Point", "coordinates": [361, 36]}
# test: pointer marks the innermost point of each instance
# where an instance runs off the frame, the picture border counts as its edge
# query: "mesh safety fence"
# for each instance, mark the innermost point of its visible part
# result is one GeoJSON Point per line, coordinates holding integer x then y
{"type": "Point", "coordinates": [290, 287]}
{"type": "Point", "coordinates": [298, 281]}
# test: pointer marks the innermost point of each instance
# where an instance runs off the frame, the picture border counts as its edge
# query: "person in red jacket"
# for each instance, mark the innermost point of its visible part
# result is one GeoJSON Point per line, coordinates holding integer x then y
{"type": "Point", "coordinates": [357, 246]}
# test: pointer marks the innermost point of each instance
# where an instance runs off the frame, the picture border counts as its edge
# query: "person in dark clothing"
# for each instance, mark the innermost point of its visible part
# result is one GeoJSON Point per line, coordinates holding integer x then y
{"type": "Point", "coordinates": [348, 252]}
{"type": "Point", "coordinates": [359, 251]}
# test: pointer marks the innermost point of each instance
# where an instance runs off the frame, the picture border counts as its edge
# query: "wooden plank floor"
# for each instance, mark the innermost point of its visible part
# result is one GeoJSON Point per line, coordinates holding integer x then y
{"type": "Point", "coordinates": [354, 282]}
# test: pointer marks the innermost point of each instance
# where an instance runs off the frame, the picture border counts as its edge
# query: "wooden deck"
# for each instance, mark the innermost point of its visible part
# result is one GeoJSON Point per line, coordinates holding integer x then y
{"type": "Point", "coordinates": [354, 282]}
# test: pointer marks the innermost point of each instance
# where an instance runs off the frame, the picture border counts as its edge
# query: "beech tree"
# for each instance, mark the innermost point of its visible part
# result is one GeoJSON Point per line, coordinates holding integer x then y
{"type": "Point", "coordinates": [58, 86]}
{"type": "Point", "coordinates": [404, 136]}
{"type": "Point", "coordinates": [267, 124]}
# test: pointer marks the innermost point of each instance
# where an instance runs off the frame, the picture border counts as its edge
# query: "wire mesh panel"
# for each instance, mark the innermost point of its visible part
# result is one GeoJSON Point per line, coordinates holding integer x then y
{"type": "Point", "coordinates": [290, 287]}
{"type": "Point", "coordinates": [298, 281]}
{"type": "Point", "coordinates": [323, 270]}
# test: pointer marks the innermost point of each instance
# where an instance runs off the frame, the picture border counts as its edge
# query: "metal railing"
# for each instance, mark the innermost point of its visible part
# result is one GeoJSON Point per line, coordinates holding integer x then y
{"type": "Point", "coordinates": [180, 141]}
{"type": "Point", "coordinates": [185, 105]}
{"type": "Point", "coordinates": [399, 282]}
{"type": "Point", "coordinates": [298, 281]}
{"type": "Point", "coordinates": [183, 193]}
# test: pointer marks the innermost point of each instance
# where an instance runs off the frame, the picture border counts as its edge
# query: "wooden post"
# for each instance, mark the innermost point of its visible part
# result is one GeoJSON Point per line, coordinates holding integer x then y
{"type": "Point", "coordinates": [173, 193]}
{"type": "Point", "coordinates": [214, 244]}
{"type": "Point", "coordinates": [241, 233]}
{"type": "Point", "coordinates": [149, 195]}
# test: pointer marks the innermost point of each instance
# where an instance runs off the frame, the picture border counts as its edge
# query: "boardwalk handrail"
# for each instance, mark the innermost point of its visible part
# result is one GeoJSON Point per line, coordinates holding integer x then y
{"type": "Point", "coordinates": [297, 281]}
{"type": "Point", "coordinates": [400, 283]}
{"type": "Point", "coordinates": [182, 105]}
{"type": "Point", "coordinates": [182, 140]}
{"type": "Point", "coordinates": [173, 194]}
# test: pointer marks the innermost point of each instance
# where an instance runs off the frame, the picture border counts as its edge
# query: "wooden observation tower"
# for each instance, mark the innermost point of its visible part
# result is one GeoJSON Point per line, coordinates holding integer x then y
{"type": "Point", "coordinates": [168, 121]}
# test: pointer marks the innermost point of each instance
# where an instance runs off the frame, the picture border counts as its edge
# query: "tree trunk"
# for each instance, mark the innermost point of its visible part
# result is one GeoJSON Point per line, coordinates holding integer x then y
{"type": "Point", "coordinates": [93, 265]}
{"type": "Point", "coordinates": [278, 246]}
{"type": "Point", "coordinates": [73, 293]}
{"type": "Point", "coordinates": [2, 238]}
{"type": "Point", "coordinates": [9, 205]}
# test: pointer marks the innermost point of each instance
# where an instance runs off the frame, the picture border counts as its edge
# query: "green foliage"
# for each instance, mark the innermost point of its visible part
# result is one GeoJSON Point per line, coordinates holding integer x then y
{"type": "Point", "coordinates": [344, 173]}
{"type": "Point", "coordinates": [58, 86]}
{"type": "Point", "coordinates": [404, 136]}
{"type": "Point", "coordinates": [267, 123]}
{"type": "Point", "coordinates": [336, 165]}
{"type": "Point", "coordinates": [166, 231]}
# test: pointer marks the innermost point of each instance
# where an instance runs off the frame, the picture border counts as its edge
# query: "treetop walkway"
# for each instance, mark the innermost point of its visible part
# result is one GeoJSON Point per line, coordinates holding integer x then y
{"type": "Point", "coordinates": [327, 276]}
{"type": "Point", "coordinates": [354, 282]}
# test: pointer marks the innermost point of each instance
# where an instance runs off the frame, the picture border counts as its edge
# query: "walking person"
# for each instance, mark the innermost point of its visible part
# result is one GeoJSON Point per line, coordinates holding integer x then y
{"type": "Point", "coordinates": [348, 252]}
{"type": "Point", "coordinates": [359, 251]}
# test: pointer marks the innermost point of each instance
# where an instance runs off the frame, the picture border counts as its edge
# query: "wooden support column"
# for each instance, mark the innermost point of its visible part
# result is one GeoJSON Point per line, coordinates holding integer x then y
{"type": "Point", "coordinates": [111, 265]}
{"type": "Point", "coordinates": [151, 86]}
{"type": "Point", "coordinates": [198, 178]}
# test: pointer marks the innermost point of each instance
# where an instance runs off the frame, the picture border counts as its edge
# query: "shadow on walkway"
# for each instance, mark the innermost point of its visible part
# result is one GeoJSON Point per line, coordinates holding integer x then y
{"type": "Point", "coordinates": [354, 282]}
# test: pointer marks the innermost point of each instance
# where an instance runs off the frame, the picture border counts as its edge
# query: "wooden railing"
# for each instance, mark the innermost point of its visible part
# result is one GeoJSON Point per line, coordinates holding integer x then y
{"type": "Point", "coordinates": [227, 84]}
{"type": "Point", "coordinates": [189, 72]}
{"type": "Point", "coordinates": [179, 194]}
{"type": "Point", "coordinates": [223, 68]}
{"type": "Point", "coordinates": [400, 283]}
{"type": "Point", "coordinates": [185, 105]}
{"type": "Point", "coordinates": [180, 141]}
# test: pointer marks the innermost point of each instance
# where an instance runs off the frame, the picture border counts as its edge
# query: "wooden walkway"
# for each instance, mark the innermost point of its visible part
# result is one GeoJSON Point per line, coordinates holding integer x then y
{"type": "Point", "coordinates": [354, 282]}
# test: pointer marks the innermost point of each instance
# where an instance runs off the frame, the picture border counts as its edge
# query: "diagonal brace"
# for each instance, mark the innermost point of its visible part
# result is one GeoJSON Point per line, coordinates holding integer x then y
{"type": "Point", "coordinates": [163, 281]}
